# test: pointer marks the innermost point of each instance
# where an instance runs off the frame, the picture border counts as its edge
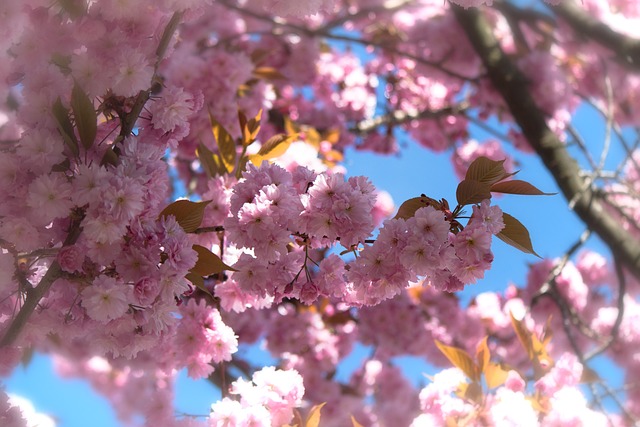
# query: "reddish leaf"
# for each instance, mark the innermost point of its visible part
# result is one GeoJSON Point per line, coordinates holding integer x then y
{"type": "Point", "coordinates": [197, 281]}
{"type": "Point", "coordinates": [483, 354]}
{"type": "Point", "coordinates": [516, 235]}
{"type": "Point", "coordinates": [188, 214]}
{"type": "Point", "coordinates": [208, 263]}
{"type": "Point", "coordinates": [409, 207]}
{"type": "Point", "coordinates": [473, 392]}
{"type": "Point", "coordinates": [85, 116]}
{"type": "Point", "coordinates": [65, 127]}
{"type": "Point", "coordinates": [486, 171]}
{"type": "Point", "coordinates": [210, 161]}
{"type": "Point", "coordinates": [470, 192]}
{"type": "Point", "coordinates": [517, 186]}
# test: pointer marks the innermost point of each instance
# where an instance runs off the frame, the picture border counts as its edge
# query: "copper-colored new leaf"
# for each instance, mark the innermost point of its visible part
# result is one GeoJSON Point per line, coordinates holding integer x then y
{"type": "Point", "coordinates": [355, 423]}
{"type": "Point", "coordinates": [85, 116]}
{"type": "Point", "coordinates": [268, 73]}
{"type": "Point", "coordinates": [208, 263]}
{"type": "Point", "coordinates": [249, 127]}
{"type": "Point", "coordinates": [409, 207]}
{"type": "Point", "coordinates": [188, 214]}
{"type": "Point", "coordinates": [277, 145]}
{"type": "Point", "coordinates": [226, 144]}
{"type": "Point", "coordinates": [516, 235]}
{"type": "Point", "coordinates": [75, 9]}
{"type": "Point", "coordinates": [274, 147]}
{"type": "Point", "coordinates": [486, 171]}
{"type": "Point", "coordinates": [197, 281]}
{"type": "Point", "coordinates": [109, 158]}
{"type": "Point", "coordinates": [313, 420]}
{"type": "Point", "coordinates": [524, 336]}
{"type": "Point", "coordinates": [209, 160]}
{"type": "Point", "coordinates": [517, 186]}
{"type": "Point", "coordinates": [473, 392]}
{"type": "Point", "coordinates": [461, 360]}
{"type": "Point", "coordinates": [483, 354]}
{"type": "Point", "coordinates": [495, 375]}
{"type": "Point", "coordinates": [589, 376]}
{"type": "Point", "coordinates": [65, 127]}
{"type": "Point", "coordinates": [471, 191]}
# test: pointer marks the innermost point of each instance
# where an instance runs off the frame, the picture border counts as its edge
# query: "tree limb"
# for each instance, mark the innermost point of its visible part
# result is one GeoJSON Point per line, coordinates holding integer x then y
{"type": "Point", "coordinates": [626, 49]}
{"type": "Point", "coordinates": [512, 85]}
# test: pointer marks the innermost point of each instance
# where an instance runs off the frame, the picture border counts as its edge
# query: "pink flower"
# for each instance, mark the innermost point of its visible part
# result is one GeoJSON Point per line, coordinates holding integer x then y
{"type": "Point", "coordinates": [173, 108]}
{"type": "Point", "coordinates": [50, 196]}
{"type": "Point", "coordinates": [133, 73]}
{"type": "Point", "coordinates": [105, 299]}
{"type": "Point", "coordinates": [71, 258]}
{"type": "Point", "coordinates": [146, 290]}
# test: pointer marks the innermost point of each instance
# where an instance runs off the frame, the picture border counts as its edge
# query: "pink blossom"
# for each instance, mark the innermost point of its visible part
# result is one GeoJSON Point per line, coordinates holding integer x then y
{"type": "Point", "coordinates": [105, 299]}
{"type": "Point", "coordinates": [146, 290]}
{"type": "Point", "coordinates": [71, 258]}
{"type": "Point", "coordinates": [133, 73]}
{"type": "Point", "coordinates": [50, 196]}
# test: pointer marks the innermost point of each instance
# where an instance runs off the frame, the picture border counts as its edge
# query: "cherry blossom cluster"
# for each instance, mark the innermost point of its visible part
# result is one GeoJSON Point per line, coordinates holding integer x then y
{"type": "Point", "coordinates": [511, 404]}
{"type": "Point", "coordinates": [105, 105]}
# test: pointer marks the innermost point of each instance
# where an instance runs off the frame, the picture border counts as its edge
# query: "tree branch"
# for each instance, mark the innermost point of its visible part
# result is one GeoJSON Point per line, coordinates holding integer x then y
{"type": "Point", "coordinates": [626, 49]}
{"type": "Point", "coordinates": [399, 117]}
{"type": "Point", "coordinates": [512, 85]}
{"type": "Point", "coordinates": [36, 294]}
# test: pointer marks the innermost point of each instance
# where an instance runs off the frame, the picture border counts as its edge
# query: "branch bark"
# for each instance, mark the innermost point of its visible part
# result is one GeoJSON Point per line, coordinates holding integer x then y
{"type": "Point", "coordinates": [626, 49]}
{"type": "Point", "coordinates": [512, 85]}
{"type": "Point", "coordinates": [36, 294]}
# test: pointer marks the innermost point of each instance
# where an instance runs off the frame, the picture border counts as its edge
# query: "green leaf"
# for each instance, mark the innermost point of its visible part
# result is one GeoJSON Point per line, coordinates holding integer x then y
{"type": "Point", "coordinates": [516, 235]}
{"type": "Point", "coordinates": [461, 360]}
{"type": "Point", "coordinates": [486, 171]}
{"type": "Point", "coordinates": [470, 192]}
{"type": "Point", "coordinates": [226, 145]}
{"type": "Point", "coordinates": [517, 186]}
{"type": "Point", "coordinates": [65, 127]}
{"type": "Point", "coordinates": [85, 116]}
{"type": "Point", "coordinates": [208, 263]}
{"type": "Point", "coordinates": [188, 214]}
